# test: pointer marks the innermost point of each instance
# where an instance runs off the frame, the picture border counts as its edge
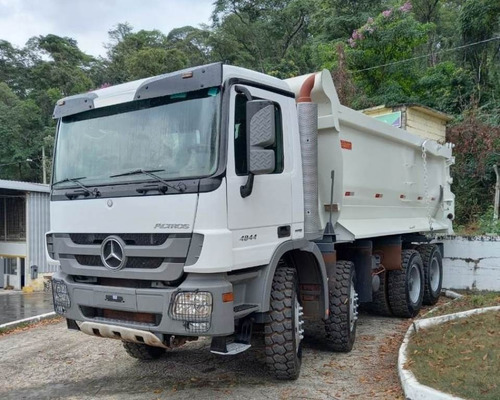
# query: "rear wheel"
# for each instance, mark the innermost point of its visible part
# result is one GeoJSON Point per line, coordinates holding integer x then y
{"type": "Point", "coordinates": [143, 351]}
{"type": "Point", "coordinates": [284, 331]}
{"type": "Point", "coordinates": [341, 323]}
{"type": "Point", "coordinates": [406, 286]}
{"type": "Point", "coordinates": [433, 272]}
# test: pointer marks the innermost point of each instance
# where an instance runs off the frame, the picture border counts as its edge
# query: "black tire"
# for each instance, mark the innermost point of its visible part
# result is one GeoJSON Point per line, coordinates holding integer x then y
{"type": "Point", "coordinates": [380, 302]}
{"type": "Point", "coordinates": [282, 333]}
{"type": "Point", "coordinates": [340, 326]}
{"type": "Point", "coordinates": [404, 294]}
{"type": "Point", "coordinates": [143, 351]}
{"type": "Point", "coordinates": [433, 265]}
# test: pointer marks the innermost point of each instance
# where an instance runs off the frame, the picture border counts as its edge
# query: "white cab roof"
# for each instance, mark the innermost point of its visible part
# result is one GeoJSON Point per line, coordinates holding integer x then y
{"type": "Point", "coordinates": [125, 92]}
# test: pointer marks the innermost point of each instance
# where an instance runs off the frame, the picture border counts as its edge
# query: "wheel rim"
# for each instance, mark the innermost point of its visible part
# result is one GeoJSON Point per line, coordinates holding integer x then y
{"type": "Point", "coordinates": [414, 283]}
{"type": "Point", "coordinates": [353, 307]}
{"type": "Point", "coordinates": [434, 273]}
{"type": "Point", "coordinates": [299, 322]}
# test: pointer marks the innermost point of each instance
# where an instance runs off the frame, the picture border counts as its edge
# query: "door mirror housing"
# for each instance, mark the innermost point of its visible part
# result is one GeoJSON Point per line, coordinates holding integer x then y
{"type": "Point", "coordinates": [261, 133]}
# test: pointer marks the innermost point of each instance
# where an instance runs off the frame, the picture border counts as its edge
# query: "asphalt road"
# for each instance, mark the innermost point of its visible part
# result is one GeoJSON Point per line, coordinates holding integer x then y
{"type": "Point", "coordinates": [16, 305]}
{"type": "Point", "coordinates": [52, 362]}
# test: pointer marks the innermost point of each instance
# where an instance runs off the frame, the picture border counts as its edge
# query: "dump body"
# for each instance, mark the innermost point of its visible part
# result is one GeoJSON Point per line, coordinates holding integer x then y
{"type": "Point", "coordinates": [386, 181]}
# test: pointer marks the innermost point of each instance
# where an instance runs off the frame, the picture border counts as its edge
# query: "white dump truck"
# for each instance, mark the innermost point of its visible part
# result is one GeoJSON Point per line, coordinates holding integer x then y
{"type": "Point", "coordinates": [213, 200]}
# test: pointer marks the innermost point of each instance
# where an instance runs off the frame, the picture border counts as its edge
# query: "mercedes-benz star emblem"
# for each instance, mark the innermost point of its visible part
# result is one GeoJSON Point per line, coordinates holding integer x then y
{"type": "Point", "coordinates": [112, 254]}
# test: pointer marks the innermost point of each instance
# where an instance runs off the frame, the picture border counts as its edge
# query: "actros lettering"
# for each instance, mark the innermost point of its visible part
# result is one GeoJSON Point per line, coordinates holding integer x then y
{"type": "Point", "coordinates": [171, 226]}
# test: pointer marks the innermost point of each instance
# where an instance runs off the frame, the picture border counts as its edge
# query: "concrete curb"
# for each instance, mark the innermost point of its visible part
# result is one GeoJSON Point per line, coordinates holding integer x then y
{"type": "Point", "coordinates": [452, 295]}
{"type": "Point", "coordinates": [30, 320]}
{"type": "Point", "coordinates": [446, 293]}
{"type": "Point", "coordinates": [412, 388]}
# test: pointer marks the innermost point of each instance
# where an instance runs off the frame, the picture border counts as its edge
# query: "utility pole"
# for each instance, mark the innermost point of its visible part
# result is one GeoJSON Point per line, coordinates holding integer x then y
{"type": "Point", "coordinates": [44, 169]}
{"type": "Point", "coordinates": [497, 194]}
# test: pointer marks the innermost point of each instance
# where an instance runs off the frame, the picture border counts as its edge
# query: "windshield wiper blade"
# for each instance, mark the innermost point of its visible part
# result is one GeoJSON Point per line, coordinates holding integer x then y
{"type": "Point", "coordinates": [138, 171]}
{"type": "Point", "coordinates": [86, 191]}
{"type": "Point", "coordinates": [74, 180]}
{"type": "Point", "coordinates": [149, 172]}
{"type": "Point", "coordinates": [77, 181]}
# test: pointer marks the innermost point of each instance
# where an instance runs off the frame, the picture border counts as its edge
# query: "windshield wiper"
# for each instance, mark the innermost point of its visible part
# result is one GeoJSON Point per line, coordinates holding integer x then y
{"type": "Point", "coordinates": [85, 190]}
{"type": "Point", "coordinates": [149, 172]}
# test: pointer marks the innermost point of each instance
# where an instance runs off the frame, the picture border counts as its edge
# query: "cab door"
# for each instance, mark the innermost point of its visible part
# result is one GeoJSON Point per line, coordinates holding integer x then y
{"type": "Point", "coordinates": [261, 221]}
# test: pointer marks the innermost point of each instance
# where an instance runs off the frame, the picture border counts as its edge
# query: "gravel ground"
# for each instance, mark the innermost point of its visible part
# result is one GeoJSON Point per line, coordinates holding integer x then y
{"type": "Point", "coordinates": [52, 362]}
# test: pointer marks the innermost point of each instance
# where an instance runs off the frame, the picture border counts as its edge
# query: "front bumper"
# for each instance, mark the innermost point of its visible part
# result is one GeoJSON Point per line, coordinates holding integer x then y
{"type": "Point", "coordinates": [96, 303]}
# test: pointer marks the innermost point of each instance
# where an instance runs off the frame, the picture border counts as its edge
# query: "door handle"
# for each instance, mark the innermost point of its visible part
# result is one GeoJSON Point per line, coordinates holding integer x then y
{"type": "Point", "coordinates": [284, 231]}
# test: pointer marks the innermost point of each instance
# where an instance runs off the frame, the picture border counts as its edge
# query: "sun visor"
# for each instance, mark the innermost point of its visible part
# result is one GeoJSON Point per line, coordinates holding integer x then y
{"type": "Point", "coordinates": [74, 105]}
{"type": "Point", "coordinates": [187, 80]}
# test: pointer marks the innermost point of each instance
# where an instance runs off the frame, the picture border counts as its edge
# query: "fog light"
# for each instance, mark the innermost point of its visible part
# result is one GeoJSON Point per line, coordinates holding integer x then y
{"type": "Point", "coordinates": [198, 327]}
{"type": "Point", "coordinates": [192, 306]}
{"type": "Point", "coordinates": [60, 295]}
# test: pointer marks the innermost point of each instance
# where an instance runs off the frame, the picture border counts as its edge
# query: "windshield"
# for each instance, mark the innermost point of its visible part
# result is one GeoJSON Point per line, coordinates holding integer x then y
{"type": "Point", "coordinates": [177, 135]}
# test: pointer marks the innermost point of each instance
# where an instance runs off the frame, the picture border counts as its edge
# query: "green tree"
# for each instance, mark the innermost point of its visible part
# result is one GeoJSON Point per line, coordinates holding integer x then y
{"type": "Point", "coordinates": [265, 35]}
{"type": "Point", "coordinates": [20, 134]}
{"type": "Point", "coordinates": [154, 61]}
{"type": "Point", "coordinates": [480, 21]}
{"type": "Point", "coordinates": [194, 43]}
{"type": "Point", "coordinates": [376, 49]}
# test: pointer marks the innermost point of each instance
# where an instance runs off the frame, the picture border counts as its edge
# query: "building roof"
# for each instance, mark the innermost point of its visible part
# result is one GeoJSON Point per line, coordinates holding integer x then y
{"type": "Point", "coordinates": [24, 186]}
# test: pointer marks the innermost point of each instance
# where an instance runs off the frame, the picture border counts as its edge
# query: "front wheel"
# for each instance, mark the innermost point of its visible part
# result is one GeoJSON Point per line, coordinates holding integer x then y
{"type": "Point", "coordinates": [143, 351]}
{"type": "Point", "coordinates": [284, 331]}
{"type": "Point", "coordinates": [406, 286]}
{"type": "Point", "coordinates": [340, 326]}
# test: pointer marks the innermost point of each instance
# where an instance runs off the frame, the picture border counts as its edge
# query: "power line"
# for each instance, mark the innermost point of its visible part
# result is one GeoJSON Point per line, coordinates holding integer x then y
{"type": "Point", "coordinates": [428, 55]}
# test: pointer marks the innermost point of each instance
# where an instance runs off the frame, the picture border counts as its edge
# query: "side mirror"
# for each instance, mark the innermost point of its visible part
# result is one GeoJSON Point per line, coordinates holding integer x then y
{"type": "Point", "coordinates": [261, 133]}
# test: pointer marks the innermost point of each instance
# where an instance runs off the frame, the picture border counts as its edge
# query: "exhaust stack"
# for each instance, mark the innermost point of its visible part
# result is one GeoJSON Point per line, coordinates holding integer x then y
{"type": "Point", "coordinates": [307, 113]}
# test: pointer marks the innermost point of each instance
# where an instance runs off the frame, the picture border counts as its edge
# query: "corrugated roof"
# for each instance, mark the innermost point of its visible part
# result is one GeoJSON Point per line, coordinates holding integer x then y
{"type": "Point", "coordinates": [24, 186]}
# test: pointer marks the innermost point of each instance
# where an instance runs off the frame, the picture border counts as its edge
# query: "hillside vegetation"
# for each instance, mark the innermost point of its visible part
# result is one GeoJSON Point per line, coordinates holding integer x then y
{"type": "Point", "coordinates": [441, 53]}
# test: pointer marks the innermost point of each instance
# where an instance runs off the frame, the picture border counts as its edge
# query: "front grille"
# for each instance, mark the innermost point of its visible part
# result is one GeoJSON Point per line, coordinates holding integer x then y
{"type": "Point", "coordinates": [132, 262]}
{"type": "Point", "coordinates": [130, 239]}
{"type": "Point", "coordinates": [107, 315]}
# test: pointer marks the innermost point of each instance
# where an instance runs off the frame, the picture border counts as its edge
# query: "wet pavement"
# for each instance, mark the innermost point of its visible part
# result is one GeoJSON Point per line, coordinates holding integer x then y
{"type": "Point", "coordinates": [16, 305]}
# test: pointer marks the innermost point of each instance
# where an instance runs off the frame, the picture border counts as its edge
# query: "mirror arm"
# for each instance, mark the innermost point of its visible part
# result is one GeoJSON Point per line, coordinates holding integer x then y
{"type": "Point", "coordinates": [246, 189]}
{"type": "Point", "coordinates": [243, 90]}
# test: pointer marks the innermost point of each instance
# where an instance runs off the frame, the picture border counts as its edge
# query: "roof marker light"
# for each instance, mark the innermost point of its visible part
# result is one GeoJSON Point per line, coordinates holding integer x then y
{"type": "Point", "coordinates": [187, 75]}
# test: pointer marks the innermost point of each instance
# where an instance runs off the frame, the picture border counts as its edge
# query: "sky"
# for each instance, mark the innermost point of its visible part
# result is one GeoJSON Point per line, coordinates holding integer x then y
{"type": "Point", "coordinates": [88, 21]}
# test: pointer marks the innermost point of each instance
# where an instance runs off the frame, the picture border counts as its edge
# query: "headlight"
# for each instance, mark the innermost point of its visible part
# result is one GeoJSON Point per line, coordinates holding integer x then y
{"type": "Point", "coordinates": [60, 295]}
{"type": "Point", "coordinates": [192, 306]}
{"type": "Point", "coordinates": [49, 238]}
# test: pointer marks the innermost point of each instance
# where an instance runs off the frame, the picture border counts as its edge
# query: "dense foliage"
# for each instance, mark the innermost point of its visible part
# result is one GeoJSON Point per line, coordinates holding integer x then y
{"type": "Point", "coordinates": [442, 53]}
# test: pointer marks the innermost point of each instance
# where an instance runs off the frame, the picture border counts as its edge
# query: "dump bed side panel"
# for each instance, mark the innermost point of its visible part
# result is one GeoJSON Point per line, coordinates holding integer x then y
{"type": "Point", "coordinates": [381, 185]}
{"type": "Point", "coordinates": [390, 184]}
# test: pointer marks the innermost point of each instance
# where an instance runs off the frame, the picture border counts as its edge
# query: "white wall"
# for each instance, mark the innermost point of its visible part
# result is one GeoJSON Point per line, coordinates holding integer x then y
{"type": "Point", "coordinates": [13, 249]}
{"type": "Point", "coordinates": [472, 263]}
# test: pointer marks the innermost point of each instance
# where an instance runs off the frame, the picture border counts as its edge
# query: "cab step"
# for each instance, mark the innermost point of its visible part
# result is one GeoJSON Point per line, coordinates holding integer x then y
{"type": "Point", "coordinates": [232, 349]}
{"type": "Point", "coordinates": [230, 345]}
